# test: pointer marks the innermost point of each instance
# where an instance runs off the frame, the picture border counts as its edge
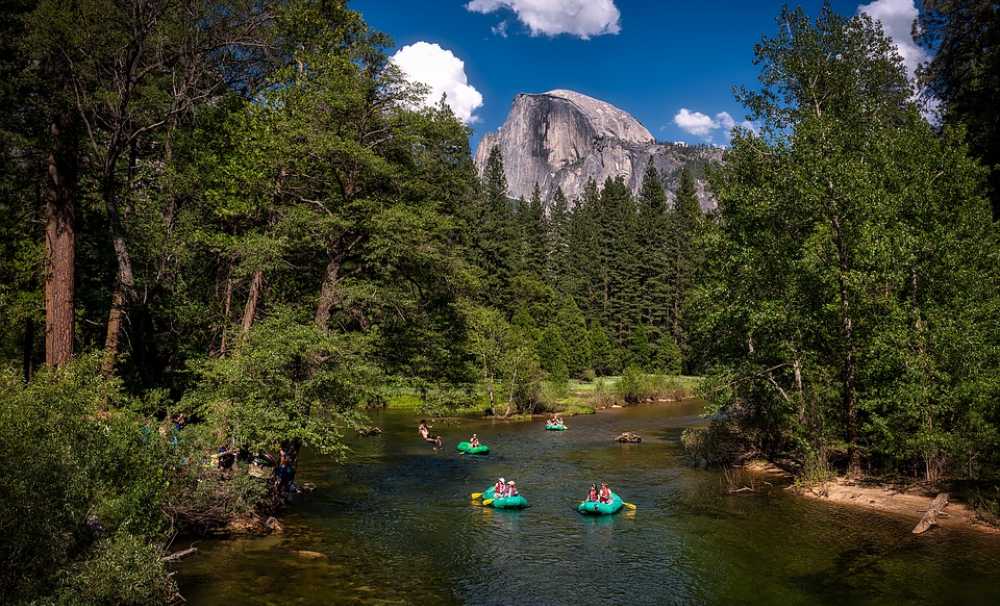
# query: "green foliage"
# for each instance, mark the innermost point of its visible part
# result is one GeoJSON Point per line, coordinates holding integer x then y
{"type": "Point", "coordinates": [101, 478]}
{"type": "Point", "coordinates": [853, 264]}
{"type": "Point", "coordinates": [963, 74]}
{"type": "Point", "coordinates": [630, 386]}
{"type": "Point", "coordinates": [510, 368]}
{"type": "Point", "coordinates": [122, 570]}
{"type": "Point", "coordinates": [287, 380]}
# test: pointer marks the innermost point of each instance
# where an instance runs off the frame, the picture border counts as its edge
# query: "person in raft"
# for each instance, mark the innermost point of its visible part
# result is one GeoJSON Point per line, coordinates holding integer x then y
{"type": "Point", "coordinates": [499, 489]}
{"type": "Point", "coordinates": [474, 441]}
{"type": "Point", "coordinates": [511, 489]}
{"type": "Point", "coordinates": [592, 494]}
{"type": "Point", "coordinates": [605, 494]}
{"type": "Point", "coordinates": [425, 433]}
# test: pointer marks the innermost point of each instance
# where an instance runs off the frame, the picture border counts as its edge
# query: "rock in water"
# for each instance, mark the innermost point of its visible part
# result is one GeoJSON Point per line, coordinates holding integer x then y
{"type": "Point", "coordinates": [563, 138]}
{"type": "Point", "coordinates": [629, 438]}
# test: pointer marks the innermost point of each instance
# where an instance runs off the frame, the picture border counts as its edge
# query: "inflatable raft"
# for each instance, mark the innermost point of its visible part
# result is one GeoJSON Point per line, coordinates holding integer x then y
{"type": "Point", "coordinates": [601, 509]}
{"type": "Point", "coordinates": [551, 427]}
{"type": "Point", "coordinates": [468, 449]}
{"type": "Point", "coordinates": [516, 502]}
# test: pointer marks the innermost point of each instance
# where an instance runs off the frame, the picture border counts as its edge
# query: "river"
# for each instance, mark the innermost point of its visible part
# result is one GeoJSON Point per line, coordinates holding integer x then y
{"type": "Point", "coordinates": [395, 525]}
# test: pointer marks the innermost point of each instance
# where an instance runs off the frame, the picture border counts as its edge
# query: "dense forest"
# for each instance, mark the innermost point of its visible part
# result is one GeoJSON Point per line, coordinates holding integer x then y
{"type": "Point", "coordinates": [236, 218]}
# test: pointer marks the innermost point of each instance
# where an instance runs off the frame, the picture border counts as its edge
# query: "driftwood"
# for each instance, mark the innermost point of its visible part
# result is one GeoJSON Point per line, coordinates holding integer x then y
{"type": "Point", "coordinates": [930, 518]}
{"type": "Point", "coordinates": [369, 431]}
{"type": "Point", "coordinates": [177, 555]}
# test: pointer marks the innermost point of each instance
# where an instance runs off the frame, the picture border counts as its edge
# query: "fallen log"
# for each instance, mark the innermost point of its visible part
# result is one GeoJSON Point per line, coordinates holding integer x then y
{"type": "Point", "coordinates": [179, 554]}
{"type": "Point", "coordinates": [930, 517]}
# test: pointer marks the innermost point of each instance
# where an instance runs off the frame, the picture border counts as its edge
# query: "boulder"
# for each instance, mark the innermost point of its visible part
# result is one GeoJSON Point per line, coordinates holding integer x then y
{"type": "Point", "coordinates": [628, 438]}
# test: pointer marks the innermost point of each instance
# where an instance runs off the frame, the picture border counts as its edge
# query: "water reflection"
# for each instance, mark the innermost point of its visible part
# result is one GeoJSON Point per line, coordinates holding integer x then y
{"type": "Point", "coordinates": [395, 525]}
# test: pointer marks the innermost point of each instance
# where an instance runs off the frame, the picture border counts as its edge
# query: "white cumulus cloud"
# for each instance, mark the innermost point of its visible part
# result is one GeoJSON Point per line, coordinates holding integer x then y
{"type": "Point", "coordinates": [705, 126]}
{"type": "Point", "coordinates": [582, 18]}
{"type": "Point", "coordinates": [897, 17]}
{"type": "Point", "coordinates": [695, 123]}
{"type": "Point", "coordinates": [443, 73]}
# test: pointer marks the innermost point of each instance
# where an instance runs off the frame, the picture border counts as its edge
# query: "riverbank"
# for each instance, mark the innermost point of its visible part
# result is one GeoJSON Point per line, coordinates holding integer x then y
{"type": "Point", "coordinates": [575, 397]}
{"type": "Point", "coordinates": [901, 500]}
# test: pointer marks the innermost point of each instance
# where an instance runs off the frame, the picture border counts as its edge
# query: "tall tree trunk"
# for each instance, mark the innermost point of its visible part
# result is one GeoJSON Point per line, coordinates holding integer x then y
{"type": "Point", "coordinates": [227, 306]}
{"type": "Point", "coordinates": [120, 298]}
{"type": "Point", "coordinates": [250, 310]}
{"type": "Point", "coordinates": [849, 394]}
{"type": "Point", "coordinates": [329, 294]}
{"type": "Point", "coordinates": [60, 242]}
{"type": "Point", "coordinates": [124, 292]}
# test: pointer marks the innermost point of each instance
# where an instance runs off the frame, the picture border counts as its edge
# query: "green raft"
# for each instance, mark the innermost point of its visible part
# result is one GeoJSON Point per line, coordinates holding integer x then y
{"type": "Point", "coordinates": [468, 449]}
{"type": "Point", "coordinates": [550, 427]}
{"type": "Point", "coordinates": [516, 502]}
{"type": "Point", "coordinates": [601, 509]}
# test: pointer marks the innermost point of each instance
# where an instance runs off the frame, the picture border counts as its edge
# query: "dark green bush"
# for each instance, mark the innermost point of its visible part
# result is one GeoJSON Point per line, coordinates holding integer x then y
{"type": "Point", "coordinates": [80, 469]}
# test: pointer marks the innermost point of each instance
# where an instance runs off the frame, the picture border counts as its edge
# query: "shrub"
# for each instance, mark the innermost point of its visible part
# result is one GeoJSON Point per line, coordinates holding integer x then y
{"type": "Point", "coordinates": [122, 570]}
{"type": "Point", "coordinates": [631, 387]}
{"type": "Point", "coordinates": [97, 470]}
{"type": "Point", "coordinates": [717, 444]}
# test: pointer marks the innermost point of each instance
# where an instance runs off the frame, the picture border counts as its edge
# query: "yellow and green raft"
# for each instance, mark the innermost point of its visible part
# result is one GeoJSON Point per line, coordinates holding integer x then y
{"type": "Point", "coordinates": [597, 508]}
{"type": "Point", "coordinates": [515, 502]}
{"type": "Point", "coordinates": [465, 447]}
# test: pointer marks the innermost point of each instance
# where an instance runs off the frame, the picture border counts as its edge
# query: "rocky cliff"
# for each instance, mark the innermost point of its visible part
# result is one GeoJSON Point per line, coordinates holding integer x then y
{"type": "Point", "coordinates": [563, 138]}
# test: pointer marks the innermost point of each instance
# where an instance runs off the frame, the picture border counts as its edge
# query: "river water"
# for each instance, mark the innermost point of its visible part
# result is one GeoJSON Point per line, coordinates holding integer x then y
{"type": "Point", "coordinates": [395, 525]}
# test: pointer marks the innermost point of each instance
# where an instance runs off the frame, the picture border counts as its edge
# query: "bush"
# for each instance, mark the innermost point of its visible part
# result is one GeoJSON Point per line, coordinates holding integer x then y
{"type": "Point", "coordinates": [97, 469]}
{"type": "Point", "coordinates": [445, 399]}
{"type": "Point", "coordinates": [717, 444]}
{"type": "Point", "coordinates": [123, 570]}
{"type": "Point", "coordinates": [603, 396]}
{"type": "Point", "coordinates": [631, 387]}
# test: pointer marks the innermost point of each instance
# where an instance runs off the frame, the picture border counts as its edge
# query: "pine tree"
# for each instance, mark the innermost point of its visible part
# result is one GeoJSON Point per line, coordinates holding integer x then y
{"type": "Point", "coordinates": [654, 242]}
{"type": "Point", "coordinates": [685, 222]}
{"type": "Point", "coordinates": [559, 264]}
{"type": "Point", "coordinates": [496, 241]}
{"type": "Point", "coordinates": [618, 266]}
{"type": "Point", "coordinates": [585, 246]}
{"type": "Point", "coordinates": [533, 234]}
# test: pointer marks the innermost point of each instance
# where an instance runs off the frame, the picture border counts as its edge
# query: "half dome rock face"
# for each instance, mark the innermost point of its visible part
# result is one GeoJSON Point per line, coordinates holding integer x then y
{"type": "Point", "coordinates": [563, 138]}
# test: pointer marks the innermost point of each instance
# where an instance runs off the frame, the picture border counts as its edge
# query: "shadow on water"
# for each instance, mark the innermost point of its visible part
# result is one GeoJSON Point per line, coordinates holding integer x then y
{"type": "Point", "coordinates": [396, 525]}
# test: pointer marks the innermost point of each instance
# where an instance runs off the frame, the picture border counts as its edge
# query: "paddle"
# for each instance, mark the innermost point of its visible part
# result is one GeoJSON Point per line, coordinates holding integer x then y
{"type": "Point", "coordinates": [629, 505]}
{"type": "Point", "coordinates": [476, 495]}
{"type": "Point", "coordinates": [486, 502]}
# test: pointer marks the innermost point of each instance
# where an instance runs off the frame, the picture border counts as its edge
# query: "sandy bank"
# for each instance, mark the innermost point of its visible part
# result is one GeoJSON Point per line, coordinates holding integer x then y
{"type": "Point", "coordinates": [905, 501]}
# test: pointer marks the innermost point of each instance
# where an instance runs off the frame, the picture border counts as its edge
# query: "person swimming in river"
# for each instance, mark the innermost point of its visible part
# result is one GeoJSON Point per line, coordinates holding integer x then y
{"type": "Point", "coordinates": [425, 433]}
{"type": "Point", "coordinates": [592, 494]}
{"type": "Point", "coordinates": [604, 496]}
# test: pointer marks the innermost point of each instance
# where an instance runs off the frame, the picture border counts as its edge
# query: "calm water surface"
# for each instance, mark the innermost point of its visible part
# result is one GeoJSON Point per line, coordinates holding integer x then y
{"type": "Point", "coordinates": [397, 527]}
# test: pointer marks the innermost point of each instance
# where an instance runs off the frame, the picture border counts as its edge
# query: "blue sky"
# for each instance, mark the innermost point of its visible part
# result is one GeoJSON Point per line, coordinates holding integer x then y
{"type": "Point", "coordinates": [650, 58]}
